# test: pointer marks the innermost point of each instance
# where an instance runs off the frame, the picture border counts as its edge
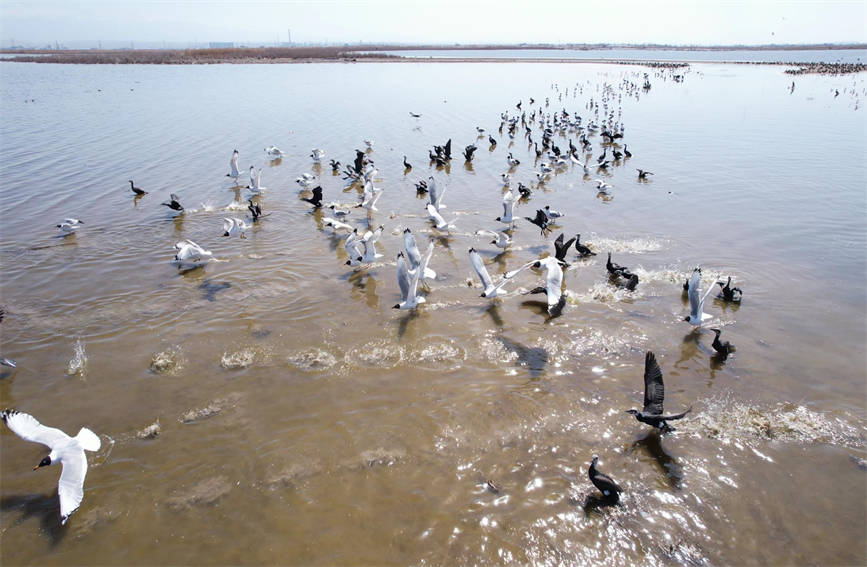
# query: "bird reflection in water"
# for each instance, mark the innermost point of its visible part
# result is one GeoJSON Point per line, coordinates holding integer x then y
{"type": "Point", "coordinates": [652, 445]}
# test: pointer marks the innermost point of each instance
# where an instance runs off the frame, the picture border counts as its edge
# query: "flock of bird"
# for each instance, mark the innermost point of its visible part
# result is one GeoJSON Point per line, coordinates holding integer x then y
{"type": "Point", "coordinates": [413, 267]}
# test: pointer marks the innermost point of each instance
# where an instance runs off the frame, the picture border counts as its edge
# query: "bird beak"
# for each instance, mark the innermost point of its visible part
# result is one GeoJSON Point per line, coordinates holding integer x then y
{"type": "Point", "coordinates": [36, 467]}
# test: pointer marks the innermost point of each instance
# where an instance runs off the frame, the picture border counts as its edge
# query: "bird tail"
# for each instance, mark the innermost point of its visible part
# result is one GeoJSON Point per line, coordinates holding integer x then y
{"type": "Point", "coordinates": [88, 440]}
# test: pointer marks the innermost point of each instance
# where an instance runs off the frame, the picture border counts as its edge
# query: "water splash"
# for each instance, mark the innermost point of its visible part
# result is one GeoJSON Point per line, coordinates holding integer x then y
{"type": "Point", "coordinates": [167, 362]}
{"type": "Point", "coordinates": [312, 360]}
{"type": "Point", "coordinates": [77, 365]}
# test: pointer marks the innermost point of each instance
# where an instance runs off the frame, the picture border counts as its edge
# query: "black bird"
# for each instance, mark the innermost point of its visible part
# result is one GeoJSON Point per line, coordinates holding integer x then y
{"type": "Point", "coordinates": [617, 155]}
{"type": "Point", "coordinates": [583, 251]}
{"type": "Point", "coordinates": [136, 190]}
{"type": "Point", "coordinates": [531, 100]}
{"type": "Point", "coordinates": [421, 186]}
{"type": "Point", "coordinates": [316, 199]}
{"type": "Point", "coordinates": [609, 489]}
{"type": "Point", "coordinates": [601, 158]}
{"type": "Point", "coordinates": [613, 268]}
{"type": "Point", "coordinates": [722, 348]}
{"type": "Point", "coordinates": [541, 221]}
{"type": "Point", "coordinates": [654, 394]}
{"type": "Point", "coordinates": [174, 203]}
{"type": "Point", "coordinates": [631, 279]}
{"type": "Point", "coordinates": [255, 210]}
{"type": "Point", "coordinates": [447, 149]}
{"type": "Point", "coordinates": [414, 115]}
{"type": "Point", "coordinates": [524, 190]}
{"type": "Point", "coordinates": [406, 164]}
{"type": "Point", "coordinates": [538, 151]}
{"type": "Point", "coordinates": [518, 106]}
{"type": "Point", "coordinates": [603, 165]}
{"type": "Point", "coordinates": [492, 141]}
{"type": "Point", "coordinates": [468, 152]}
{"type": "Point", "coordinates": [626, 152]}
{"type": "Point", "coordinates": [335, 165]}
{"type": "Point", "coordinates": [359, 162]}
{"type": "Point", "coordinates": [728, 293]}
{"type": "Point", "coordinates": [642, 174]}
{"type": "Point", "coordinates": [561, 249]}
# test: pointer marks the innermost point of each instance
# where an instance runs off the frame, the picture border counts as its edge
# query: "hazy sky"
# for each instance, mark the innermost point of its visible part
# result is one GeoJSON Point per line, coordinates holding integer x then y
{"type": "Point", "coordinates": [435, 21]}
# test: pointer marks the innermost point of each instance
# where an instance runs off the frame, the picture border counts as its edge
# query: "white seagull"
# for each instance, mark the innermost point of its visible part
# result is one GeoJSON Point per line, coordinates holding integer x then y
{"type": "Point", "coordinates": [602, 186]}
{"type": "Point", "coordinates": [336, 224]}
{"type": "Point", "coordinates": [255, 180]}
{"type": "Point", "coordinates": [353, 248]}
{"type": "Point", "coordinates": [274, 152]}
{"type": "Point", "coordinates": [553, 281]}
{"type": "Point", "coordinates": [370, 196]}
{"type": "Point", "coordinates": [235, 227]}
{"type": "Point", "coordinates": [234, 172]}
{"type": "Point", "coordinates": [696, 315]}
{"type": "Point", "coordinates": [64, 449]}
{"type": "Point", "coordinates": [408, 280]}
{"type": "Point", "coordinates": [69, 225]}
{"type": "Point", "coordinates": [305, 180]}
{"type": "Point", "coordinates": [502, 241]}
{"type": "Point", "coordinates": [435, 193]}
{"type": "Point", "coordinates": [368, 244]}
{"type": "Point", "coordinates": [317, 154]}
{"type": "Point", "coordinates": [438, 219]}
{"type": "Point", "coordinates": [491, 290]}
{"type": "Point", "coordinates": [189, 254]}
{"type": "Point", "coordinates": [508, 208]}
{"type": "Point", "coordinates": [414, 255]}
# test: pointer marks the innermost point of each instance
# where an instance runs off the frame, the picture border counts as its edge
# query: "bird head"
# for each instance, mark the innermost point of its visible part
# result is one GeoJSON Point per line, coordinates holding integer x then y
{"type": "Point", "coordinates": [537, 264]}
{"type": "Point", "coordinates": [686, 318]}
{"type": "Point", "coordinates": [594, 460]}
{"type": "Point", "coordinates": [634, 412]}
{"type": "Point", "coordinates": [44, 462]}
{"type": "Point", "coordinates": [716, 332]}
{"type": "Point", "coordinates": [225, 234]}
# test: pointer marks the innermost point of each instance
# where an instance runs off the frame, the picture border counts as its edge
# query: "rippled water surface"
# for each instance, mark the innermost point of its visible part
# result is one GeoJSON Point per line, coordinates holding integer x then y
{"type": "Point", "coordinates": [272, 407]}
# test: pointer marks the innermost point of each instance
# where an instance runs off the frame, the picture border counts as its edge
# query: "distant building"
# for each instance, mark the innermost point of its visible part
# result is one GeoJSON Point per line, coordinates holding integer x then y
{"type": "Point", "coordinates": [221, 44]}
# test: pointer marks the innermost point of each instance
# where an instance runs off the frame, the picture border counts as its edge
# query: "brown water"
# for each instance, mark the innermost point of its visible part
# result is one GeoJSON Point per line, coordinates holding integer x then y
{"type": "Point", "coordinates": [302, 420]}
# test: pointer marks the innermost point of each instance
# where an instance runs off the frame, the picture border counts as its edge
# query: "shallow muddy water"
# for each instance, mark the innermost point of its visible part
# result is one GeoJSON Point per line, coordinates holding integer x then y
{"type": "Point", "coordinates": [272, 407]}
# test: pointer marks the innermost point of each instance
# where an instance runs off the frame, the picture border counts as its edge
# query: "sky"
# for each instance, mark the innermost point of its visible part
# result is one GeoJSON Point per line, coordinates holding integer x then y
{"type": "Point", "coordinates": [680, 22]}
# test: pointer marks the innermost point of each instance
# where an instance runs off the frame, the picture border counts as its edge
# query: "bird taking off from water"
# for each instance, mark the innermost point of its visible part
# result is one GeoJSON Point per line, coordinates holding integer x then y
{"type": "Point", "coordinates": [654, 394]}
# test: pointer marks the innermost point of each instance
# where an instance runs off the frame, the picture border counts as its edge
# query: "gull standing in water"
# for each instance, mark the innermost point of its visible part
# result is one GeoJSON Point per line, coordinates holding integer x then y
{"type": "Point", "coordinates": [69, 451]}
{"type": "Point", "coordinates": [696, 315]}
{"type": "Point", "coordinates": [654, 395]}
{"type": "Point", "coordinates": [490, 290]}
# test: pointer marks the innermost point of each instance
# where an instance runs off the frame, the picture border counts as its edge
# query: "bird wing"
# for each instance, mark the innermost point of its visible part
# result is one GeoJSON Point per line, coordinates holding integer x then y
{"type": "Point", "coordinates": [233, 165]}
{"type": "Point", "coordinates": [606, 481]}
{"type": "Point", "coordinates": [676, 415]}
{"type": "Point", "coordinates": [480, 269]}
{"type": "Point", "coordinates": [513, 273]}
{"type": "Point", "coordinates": [411, 246]}
{"type": "Point", "coordinates": [694, 301]}
{"type": "Point", "coordinates": [425, 261]}
{"type": "Point", "coordinates": [654, 391]}
{"type": "Point", "coordinates": [317, 193]}
{"type": "Point", "coordinates": [228, 224]}
{"type": "Point", "coordinates": [28, 428]}
{"type": "Point", "coordinates": [70, 487]}
{"type": "Point", "coordinates": [435, 215]}
{"type": "Point", "coordinates": [175, 198]}
{"type": "Point", "coordinates": [706, 293]}
{"type": "Point", "coordinates": [403, 280]}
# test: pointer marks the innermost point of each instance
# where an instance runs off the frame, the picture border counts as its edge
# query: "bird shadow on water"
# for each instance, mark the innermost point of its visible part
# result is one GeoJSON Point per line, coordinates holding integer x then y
{"type": "Point", "coordinates": [595, 504]}
{"type": "Point", "coordinates": [689, 348]}
{"type": "Point", "coordinates": [404, 321]}
{"type": "Point", "coordinates": [45, 507]}
{"type": "Point", "coordinates": [493, 311]}
{"type": "Point", "coordinates": [363, 287]}
{"type": "Point", "coordinates": [210, 289]}
{"type": "Point", "coordinates": [533, 358]}
{"type": "Point", "coordinates": [652, 445]}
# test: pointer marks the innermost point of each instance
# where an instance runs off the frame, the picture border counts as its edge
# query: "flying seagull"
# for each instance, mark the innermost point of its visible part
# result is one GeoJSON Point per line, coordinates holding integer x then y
{"type": "Point", "coordinates": [69, 225]}
{"type": "Point", "coordinates": [696, 315]}
{"type": "Point", "coordinates": [414, 255]}
{"type": "Point", "coordinates": [491, 290]}
{"type": "Point", "coordinates": [64, 449]}
{"type": "Point", "coordinates": [654, 394]}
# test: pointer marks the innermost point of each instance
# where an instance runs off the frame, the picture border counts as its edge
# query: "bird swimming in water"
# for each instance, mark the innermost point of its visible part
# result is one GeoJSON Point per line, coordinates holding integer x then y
{"type": "Point", "coordinates": [551, 213]}
{"type": "Point", "coordinates": [468, 152]}
{"type": "Point", "coordinates": [642, 174]}
{"type": "Point", "coordinates": [696, 315]}
{"type": "Point", "coordinates": [512, 161]}
{"type": "Point", "coordinates": [335, 165]}
{"type": "Point", "coordinates": [626, 152]}
{"type": "Point", "coordinates": [316, 199]}
{"type": "Point", "coordinates": [136, 190]}
{"type": "Point", "coordinates": [602, 186]}
{"type": "Point", "coordinates": [723, 349]}
{"type": "Point", "coordinates": [492, 141]}
{"type": "Point", "coordinates": [613, 268]}
{"type": "Point", "coordinates": [728, 293]}
{"type": "Point", "coordinates": [69, 225]}
{"type": "Point", "coordinates": [583, 251]}
{"type": "Point", "coordinates": [317, 155]}
{"type": "Point", "coordinates": [274, 152]}
{"type": "Point", "coordinates": [609, 489]}
{"type": "Point", "coordinates": [407, 166]}
{"type": "Point", "coordinates": [654, 395]}
{"type": "Point", "coordinates": [69, 451]}
{"type": "Point", "coordinates": [174, 203]}
{"type": "Point", "coordinates": [524, 191]}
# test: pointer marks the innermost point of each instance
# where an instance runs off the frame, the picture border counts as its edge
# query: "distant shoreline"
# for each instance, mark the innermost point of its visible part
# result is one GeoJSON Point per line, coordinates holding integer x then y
{"type": "Point", "coordinates": [374, 53]}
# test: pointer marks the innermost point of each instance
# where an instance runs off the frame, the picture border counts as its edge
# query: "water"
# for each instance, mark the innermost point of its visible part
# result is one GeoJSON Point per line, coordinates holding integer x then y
{"type": "Point", "coordinates": [637, 54]}
{"type": "Point", "coordinates": [273, 408]}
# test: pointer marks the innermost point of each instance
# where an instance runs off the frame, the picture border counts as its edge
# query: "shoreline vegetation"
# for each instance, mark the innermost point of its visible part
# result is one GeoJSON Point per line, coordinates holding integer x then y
{"type": "Point", "coordinates": [375, 53]}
